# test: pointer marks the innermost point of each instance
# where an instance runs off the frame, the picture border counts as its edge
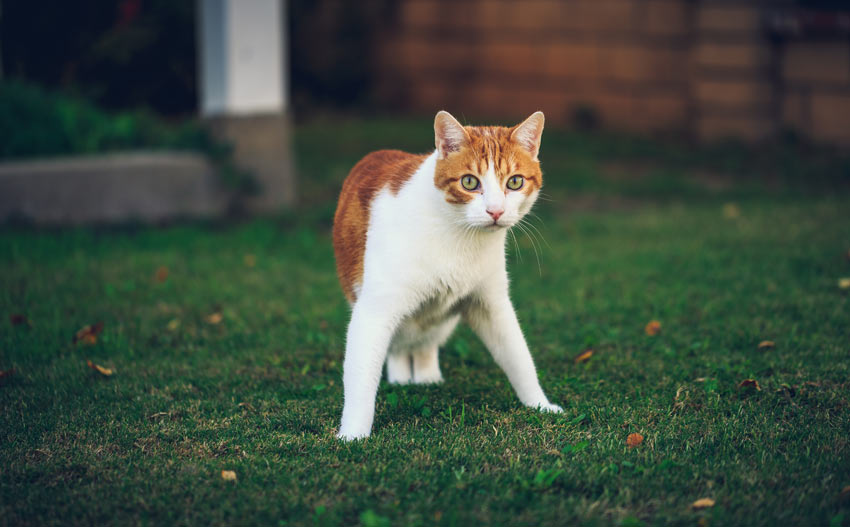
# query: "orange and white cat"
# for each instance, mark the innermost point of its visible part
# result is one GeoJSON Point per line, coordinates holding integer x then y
{"type": "Point", "coordinates": [420, 244]}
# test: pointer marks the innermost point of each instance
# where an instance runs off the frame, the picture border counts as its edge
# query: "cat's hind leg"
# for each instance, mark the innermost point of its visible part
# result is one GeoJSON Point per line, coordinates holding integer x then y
{"type": "Point", "coordinates": [399, 369]}
{"type": "Point", "coordinates": [426, 366]}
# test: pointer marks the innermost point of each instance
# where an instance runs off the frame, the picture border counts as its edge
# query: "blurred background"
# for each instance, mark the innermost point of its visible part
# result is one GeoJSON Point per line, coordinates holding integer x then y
{"type": "Point", "coordinates": [230, 79]}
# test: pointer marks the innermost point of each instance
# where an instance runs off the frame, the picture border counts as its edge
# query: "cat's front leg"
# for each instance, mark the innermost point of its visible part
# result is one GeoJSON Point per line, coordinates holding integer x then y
{"type": "Point", "coordinates": [369, 333]}
{"type": "Point", "coordinates": [491, 315]}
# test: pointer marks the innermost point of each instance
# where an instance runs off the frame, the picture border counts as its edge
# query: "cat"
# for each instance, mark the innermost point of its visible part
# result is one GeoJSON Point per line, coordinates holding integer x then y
{"type": "Point", "coordinates": [419, 242]}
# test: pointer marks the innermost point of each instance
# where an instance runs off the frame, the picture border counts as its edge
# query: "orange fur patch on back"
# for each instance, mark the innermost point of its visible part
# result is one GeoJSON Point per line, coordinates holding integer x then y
{"type": "Point", "coordinates": [374, 172]}
{"type": "Point", "coordinates": [486, 144]}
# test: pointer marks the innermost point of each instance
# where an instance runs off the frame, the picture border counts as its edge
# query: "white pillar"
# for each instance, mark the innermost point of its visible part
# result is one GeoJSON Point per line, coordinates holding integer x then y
{"type": "Point", "coordinates": [242, 57]}
{"type": "Point", "coordinates": [242, 84]}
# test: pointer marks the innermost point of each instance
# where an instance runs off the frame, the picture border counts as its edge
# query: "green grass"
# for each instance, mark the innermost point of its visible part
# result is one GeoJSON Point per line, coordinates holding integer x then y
{"type": "Point", "coordinates": [636, 231]}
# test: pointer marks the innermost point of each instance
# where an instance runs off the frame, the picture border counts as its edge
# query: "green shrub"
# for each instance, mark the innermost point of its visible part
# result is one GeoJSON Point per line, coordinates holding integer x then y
{"type": "Point", "coordinates": [38, 123]}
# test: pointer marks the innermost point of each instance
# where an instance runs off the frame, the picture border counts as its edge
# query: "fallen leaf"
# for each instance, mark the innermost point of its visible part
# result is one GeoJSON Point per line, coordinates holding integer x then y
{"type": "Point", "coordinates": [653, 327]}
{"type": "Point", "coordinates": [161, 274]}
{"type": "Point", "coordinates": [584, 356]}
{"type": "Point", "coordinates": [173, 324]}
{"type": "Point", "coordinates": [214, 318]}
{"type": "Point", "coordinates": [844, 283]}
{"type": "Point", "coordinates": [18, 319]}
{"type": "Point", "coordinates": [88, 334]}
{"type": "Point", "coordinates": [5, 374]}
{"type": "Point", "coordinates": [731, 211]}
{"type": "Point", "coordinates": [749, 383]}
{"type": "Point", "coordinates": [785, 389]}
{"type": "Point", "coordinates": [228, 475]}
{"type": "Point", "coordinates": [98, 368]}
{"type": "Point", "coordinates": [250, 260]}
{"type": "Point", "coordinates": [703, 503]}
{"type": "Point", "coordinates": [634, 440]}
{"type": "Point", "coordinates": [766, 345]}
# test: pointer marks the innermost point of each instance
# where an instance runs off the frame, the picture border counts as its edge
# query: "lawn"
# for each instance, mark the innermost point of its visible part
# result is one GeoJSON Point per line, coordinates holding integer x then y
{"type": "Point", "coordinates": [226, 344]}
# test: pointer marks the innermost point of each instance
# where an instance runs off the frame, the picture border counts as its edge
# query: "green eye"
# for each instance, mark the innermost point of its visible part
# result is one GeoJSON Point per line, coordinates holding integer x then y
{"type": "Point", "coordinates": [469, 182]}
{"type": "Point", "coordinates": [515, 182]}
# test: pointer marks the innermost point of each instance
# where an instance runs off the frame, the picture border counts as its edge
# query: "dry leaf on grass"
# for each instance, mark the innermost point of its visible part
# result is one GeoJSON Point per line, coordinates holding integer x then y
{"type": "Point", "coordinates": [749, 383]}
{"type": "Point", "coordinates": [161, 274]}
{"type": "Point", "coordinates": [250, 260]}
{"type": "Point", "coordinates": [5, 374]}
{"type": "Point", "coordinates": [173, 324]}
{"type": "Point", "coordinates": [653, 327]}
{"type": "Point", "coordinates": [584, 356]}
{"type": "Point", "coordinates": [215, 318]}
{"type": "Point", "coordinates": [844, 283]}
{"type": "Point", "coordinates": [703, 503]}
{"type": "Point", "coordinates": [17, 319]}
{"type": "Point", "coordinates": [100, 369]}
{"type": "Point", "coordinates": [766, 345]}
{"type": "Point", "coordinates": [88, 334]}
{"type": "Point", "coordinates": [228, 475]}
{"type": "Point", "coordinates": [731, 211]}
{"type": "Point", "coordinates": [634, 440]}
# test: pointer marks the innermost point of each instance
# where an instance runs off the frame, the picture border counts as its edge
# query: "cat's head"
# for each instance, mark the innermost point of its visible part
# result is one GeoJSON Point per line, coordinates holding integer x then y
{"type": "Point", "coordinates": [490, 174]}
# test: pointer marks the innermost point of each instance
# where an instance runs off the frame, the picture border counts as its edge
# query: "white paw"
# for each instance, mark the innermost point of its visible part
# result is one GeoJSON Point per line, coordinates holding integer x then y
{"type": "Point", "coordinates": [393, 379]}
{"type": "Point", "coordinates": [550, 408]}
{"type": "Point", "coordinates": [398, 369]}
{"type": "Point", "coordinates": [347, 435]}
{"type": "Point", "coordinates": [427, 378]}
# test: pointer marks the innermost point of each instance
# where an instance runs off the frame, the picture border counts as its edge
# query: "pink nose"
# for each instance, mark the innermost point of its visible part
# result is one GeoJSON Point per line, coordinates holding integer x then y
{"type": "Point", "coordinates": [496, 214]}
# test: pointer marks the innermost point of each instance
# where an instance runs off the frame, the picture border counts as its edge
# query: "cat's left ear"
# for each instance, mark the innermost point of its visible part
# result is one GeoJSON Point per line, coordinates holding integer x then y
{"type": "Point", "coordinates": [528, 133]}
{"type": "Point", "coordinates": [449, 135]}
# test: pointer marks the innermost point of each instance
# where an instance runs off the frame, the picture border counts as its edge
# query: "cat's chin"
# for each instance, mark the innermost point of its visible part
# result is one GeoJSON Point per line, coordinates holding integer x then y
{"type": "Point", "coordinates": [492, 227]}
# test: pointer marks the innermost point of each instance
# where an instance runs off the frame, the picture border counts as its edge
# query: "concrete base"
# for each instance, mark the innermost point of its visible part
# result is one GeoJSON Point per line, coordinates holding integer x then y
{"type": "Point", "coordinates": [263, 146]}
{"type": "Point", "coordinates": [148, 187]}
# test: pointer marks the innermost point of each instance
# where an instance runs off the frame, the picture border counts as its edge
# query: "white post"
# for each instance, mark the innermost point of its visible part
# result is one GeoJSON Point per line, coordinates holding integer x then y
{"type": "Point", "coordinates": [242, 84]}
{"type": "Point", "coordinates": [242, 57]}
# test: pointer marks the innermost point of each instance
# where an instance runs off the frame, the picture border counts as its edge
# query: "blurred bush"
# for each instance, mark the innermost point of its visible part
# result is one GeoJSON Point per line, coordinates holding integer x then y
{"type": "Point", "coordinates": [118, 54]}
{"type": "Point", "coordinates": [38, 123]}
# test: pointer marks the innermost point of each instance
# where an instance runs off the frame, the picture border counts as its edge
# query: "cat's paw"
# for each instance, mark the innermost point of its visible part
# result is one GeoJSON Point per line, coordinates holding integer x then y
{"type": "Point", "coordinates": [398, 369]}
{"type": "Point", "coordinates": [550, 408]}
{"type": "Point", "coordinates": [351, 435]}
{"type": "Point", "coordinates": [429, 377]}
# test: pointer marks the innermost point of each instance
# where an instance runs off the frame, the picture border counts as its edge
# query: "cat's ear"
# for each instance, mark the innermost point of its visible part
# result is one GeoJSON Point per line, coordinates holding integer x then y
{"type": "Point", "coordinates": [449, 135]}
{"type": "Point", "coordinates": [528, 134]}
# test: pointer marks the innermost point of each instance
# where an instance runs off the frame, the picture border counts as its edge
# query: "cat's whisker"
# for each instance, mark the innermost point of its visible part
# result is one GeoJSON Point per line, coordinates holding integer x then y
{"type": "Point", "coordinates": [533, 246]}
{"type": "Point", "coordinates": [539, 233]}
{"type": "Point", "coordinates": [516, 245]}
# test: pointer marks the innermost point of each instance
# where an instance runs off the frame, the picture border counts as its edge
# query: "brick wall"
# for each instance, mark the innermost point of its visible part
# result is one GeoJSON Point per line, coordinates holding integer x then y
{"type": "Point", "coordinates": [816, 89]}
{"type": "Point", "coordinates": [704, 67]}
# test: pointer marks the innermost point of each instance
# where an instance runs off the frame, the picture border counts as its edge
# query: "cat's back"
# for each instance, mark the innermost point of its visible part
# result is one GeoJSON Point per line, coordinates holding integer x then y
{"type": "Point", "coordinates": [378, 170]}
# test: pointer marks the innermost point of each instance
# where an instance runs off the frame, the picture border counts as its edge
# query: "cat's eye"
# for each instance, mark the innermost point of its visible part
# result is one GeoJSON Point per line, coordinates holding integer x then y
{"type": "Point", "coordinates": [469, 182]}
{"type": "Point", "coordinates": [515, 182]}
